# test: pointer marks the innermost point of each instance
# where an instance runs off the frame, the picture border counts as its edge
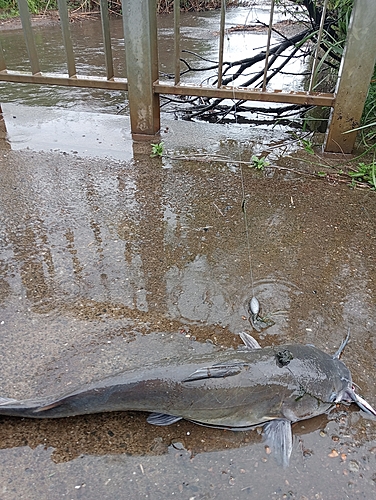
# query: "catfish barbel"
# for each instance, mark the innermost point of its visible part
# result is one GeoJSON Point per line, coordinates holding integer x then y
{"type": "Point", "coordinates": [232, 389]}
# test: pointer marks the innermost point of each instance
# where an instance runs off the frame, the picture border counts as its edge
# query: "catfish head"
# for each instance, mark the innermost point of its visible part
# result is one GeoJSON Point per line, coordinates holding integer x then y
{"type": "Point", "coordinates": [320, 389]}
{"type": "Point", "coordinates": [347, 393]}
{"type": "Point", "coordinates": [320, 382]}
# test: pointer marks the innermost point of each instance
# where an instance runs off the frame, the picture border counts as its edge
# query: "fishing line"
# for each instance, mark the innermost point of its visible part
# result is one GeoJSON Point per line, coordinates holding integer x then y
{"type": "Point", "coordinates": [244, 201]}
{"type": "Point", "coordinates": [244, 209]}
{"type": "Point", "coordinates": [253, 305]}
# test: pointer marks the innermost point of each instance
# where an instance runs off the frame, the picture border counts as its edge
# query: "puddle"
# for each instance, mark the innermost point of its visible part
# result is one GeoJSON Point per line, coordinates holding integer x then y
{"type": "Point", "coordinates": [81, 133]}
{"type": "Point", "coordinates": [108, 262]}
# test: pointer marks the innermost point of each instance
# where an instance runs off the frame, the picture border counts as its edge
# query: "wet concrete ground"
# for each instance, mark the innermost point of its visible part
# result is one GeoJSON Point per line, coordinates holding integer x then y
{"type": "Point", "coordinates": [116, 259]}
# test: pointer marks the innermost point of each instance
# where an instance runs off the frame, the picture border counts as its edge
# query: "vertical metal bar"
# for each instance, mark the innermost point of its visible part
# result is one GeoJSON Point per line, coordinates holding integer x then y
{"type": "Point", "coordinates": [107, 40]}
{"type": "Point", "coordinates": [3, 65]}
{"type": "Point", "coordinates": [221, 42]}
{"type": "Point", "coordinates": [357, 65]}
{"type": "Point", "coordinates": [319, 38]}
{"type": "Point", "coordinates": [64, 21]}
{"type": "Point", "coordinates": [177, 40]}
{"type": "Point", "coordinates": [267, 53]}
{"type": "Point", "coordinates": [141, 54]}
{"type": "Point", "coordinates": [29, 37]}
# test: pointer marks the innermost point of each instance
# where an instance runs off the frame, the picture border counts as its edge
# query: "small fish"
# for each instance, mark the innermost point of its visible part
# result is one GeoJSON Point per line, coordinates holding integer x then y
{"type": "Point", "coordinates": [231, 389]}
{"type": "Point", "coordinates": [254, 306]}
{"type": "Point", "coordinates": [257, 322]}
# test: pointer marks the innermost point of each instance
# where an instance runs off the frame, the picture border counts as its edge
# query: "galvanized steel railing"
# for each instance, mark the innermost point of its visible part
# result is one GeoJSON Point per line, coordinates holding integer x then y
{"type": "Point", "coordinates": [241, 93]}
{"type": "Point", "coordinates": [72, 78]}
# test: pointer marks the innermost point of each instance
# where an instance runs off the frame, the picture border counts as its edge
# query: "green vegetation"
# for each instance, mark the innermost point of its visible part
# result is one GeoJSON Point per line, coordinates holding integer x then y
{"type": "Point", "coordinates": [35, 6]}
{"type": "Point", "coordinates": [366, 173]}
{"type": "Point", "coordinates": [307, 145]}
{"type": "Point", "coordinates": [368, 123]}
{"type": "Point", "coordinates": [259, 163]}
{"type": "Point", "coordinates": [157, 150]}
{"type": "Point", "coordinates": [10, 7]}
{"type": "Point", "coordinates": [340, 11]}
{"type": "Point", "coordinates": [354, 173]}
{"type": "Point", "coordinates": [362, 173]}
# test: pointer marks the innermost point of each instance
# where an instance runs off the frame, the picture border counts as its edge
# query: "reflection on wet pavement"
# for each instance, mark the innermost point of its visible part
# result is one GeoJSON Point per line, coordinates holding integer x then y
{"type": "Point", "coordinates": [108, 263]}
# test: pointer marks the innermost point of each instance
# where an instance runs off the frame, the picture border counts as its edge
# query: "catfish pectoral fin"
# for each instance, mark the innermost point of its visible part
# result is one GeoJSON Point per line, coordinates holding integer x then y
{"type": "Point", "coordinates": [162, 419]}
{"type": "Point", "coordinates": [278, 435]}
{"type": "Point", "coordinates": [214, 371]}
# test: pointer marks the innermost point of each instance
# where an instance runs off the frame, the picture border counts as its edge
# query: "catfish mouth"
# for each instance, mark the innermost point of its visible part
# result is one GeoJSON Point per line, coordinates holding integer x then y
{"type": "Point", "coordinates": [350, 396]}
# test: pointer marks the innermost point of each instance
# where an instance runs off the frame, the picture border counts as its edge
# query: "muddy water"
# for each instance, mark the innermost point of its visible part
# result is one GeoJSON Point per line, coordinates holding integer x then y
{"type": "Point", "coordinates": [199, 34]}
{"type": "Point", "coordinates": [107, 263]}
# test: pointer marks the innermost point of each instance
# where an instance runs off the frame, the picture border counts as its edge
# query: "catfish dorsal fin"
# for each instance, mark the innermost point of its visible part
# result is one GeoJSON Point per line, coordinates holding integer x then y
{"type": "Point", "coordinates": [249, 341]}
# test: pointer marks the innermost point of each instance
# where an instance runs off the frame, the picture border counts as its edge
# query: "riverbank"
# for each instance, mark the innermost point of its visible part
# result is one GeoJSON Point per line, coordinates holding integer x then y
{"type": "Point", "coordinates": [49, 18]}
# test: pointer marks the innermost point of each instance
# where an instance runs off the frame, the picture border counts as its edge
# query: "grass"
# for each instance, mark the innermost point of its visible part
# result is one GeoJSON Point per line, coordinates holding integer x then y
{"type": "Point", "coordinates": [366, 173]}
{"type": "Point", "coordinates": [308, 146]}
{"type": "Point", "coordinates": [35, 6]}
{"type": "Point", "coordinates": [354, 173]}
{"type": "Point", "coordinates": [9, 8]}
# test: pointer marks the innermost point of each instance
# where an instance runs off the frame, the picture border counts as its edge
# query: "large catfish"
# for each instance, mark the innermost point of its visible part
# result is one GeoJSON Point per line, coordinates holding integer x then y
{"type": "Point", "coordinates": [231, 389]}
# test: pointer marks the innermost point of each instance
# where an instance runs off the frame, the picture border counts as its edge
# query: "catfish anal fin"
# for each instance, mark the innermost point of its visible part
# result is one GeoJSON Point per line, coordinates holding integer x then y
{"type": "Point", "coordinates": [48, 407]}
{"type": "Point", "coordinates": [162, 419]}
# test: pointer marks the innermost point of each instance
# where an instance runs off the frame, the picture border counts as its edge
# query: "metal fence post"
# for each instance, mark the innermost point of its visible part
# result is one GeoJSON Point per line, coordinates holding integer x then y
{"type": "Point", "coordinates": [141, 53]}
{"type": "Point", "coordinates": [355, 74]}
{"type": "Point", "coordinates": [29, 37]}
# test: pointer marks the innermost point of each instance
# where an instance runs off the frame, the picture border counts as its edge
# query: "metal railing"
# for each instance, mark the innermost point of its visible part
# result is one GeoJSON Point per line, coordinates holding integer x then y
{"type": "Point", "coordinates": [71, 78]}
{"type": "Point", "coordinates": [144, 86]}
{"type": "Point", "coordinates": [251, 94]}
